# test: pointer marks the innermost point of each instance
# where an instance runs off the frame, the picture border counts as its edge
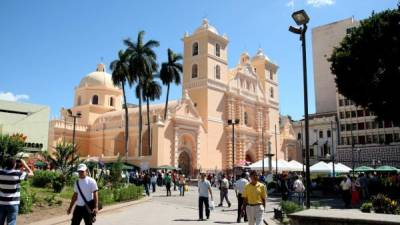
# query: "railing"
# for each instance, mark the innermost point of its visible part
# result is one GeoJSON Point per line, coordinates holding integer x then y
{"type": "Point", "coordinates": [61, 124]}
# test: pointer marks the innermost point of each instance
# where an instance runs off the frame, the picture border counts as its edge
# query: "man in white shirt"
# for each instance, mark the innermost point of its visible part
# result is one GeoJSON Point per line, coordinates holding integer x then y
{"type": "Point", "coordinates": [239, 188]}
{"type": "Point", "coordinates": [224, 187]}
{"type": "Point", "coordinates": [87, 187]}
{"type": "Point", "coordinates": [204, 188]}
{"type": "Point", "coordinates": [346, 192]}
{"type": "Point", "coordinates": [299, 189]}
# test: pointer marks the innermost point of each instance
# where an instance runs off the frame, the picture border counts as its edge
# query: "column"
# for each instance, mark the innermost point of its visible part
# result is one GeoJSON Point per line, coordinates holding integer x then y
{"type": "Point", "coordinates": [229, 150]}
{"type": "Point", "coordinates": [197, 150]}
{"type": "Point", "coordinates": [176, 145]}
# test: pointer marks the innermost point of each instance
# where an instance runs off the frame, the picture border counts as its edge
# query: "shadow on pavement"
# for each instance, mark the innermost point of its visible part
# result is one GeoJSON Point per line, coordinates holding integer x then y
{"type": "Point", "coordinates": [185, 220]}
{"type": "Point", "coordinates": [224, 222]}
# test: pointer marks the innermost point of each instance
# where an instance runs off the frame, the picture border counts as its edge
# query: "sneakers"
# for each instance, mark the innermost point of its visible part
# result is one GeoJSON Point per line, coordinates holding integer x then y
{"type": "Point", "coordinates": [220, 205]}
{"type": "Point", "coordinates": [229, 204]}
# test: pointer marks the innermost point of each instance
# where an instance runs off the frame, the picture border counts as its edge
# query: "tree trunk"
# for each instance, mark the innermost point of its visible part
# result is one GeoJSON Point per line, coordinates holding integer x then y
{"type": "Point", "coordinates": [148, 127]}
{"type": "Point", "coordinates": [126, 123]}
{"type": "Point", "coordinates": [140, 121]}
{"type": "Point", "coordinates": [166, 104]}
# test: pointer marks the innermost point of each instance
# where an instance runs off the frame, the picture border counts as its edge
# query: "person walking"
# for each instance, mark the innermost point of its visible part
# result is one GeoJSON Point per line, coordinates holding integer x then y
{"type": "Point", "coordinates": [298, 188]}
{"type": "Point", "coordinates": [346, 191]}
{"type": "Point", "coordinates": [254, 196]}
{"type": "Point", "coordinates": [204, 187]}
{"type": "Point", "coordinates": [86, 198]}
{"type": "Point", "coordinates": [284, 187]}
{"type": "Point", "coordinates": [239, 188]}
{"type": "Point", "coordinates": [181, 184]}
{"type": "Point", "coordinates": [10, 179]}
{"type": "Point", "coordinates": [153, 181]}
{"type": "Point", "coordinates": [224, 187]}
{"type": "Point", "coordinates": [167, 182]}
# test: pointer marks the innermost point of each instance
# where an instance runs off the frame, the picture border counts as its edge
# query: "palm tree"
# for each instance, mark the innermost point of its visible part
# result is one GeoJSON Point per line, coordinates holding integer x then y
{"type": "Point", "coordinates": [170, 72]}
{"type": "Point", "coordinates": [120, 76]}
{"type": "Point", "coordinates": [151, 91]}
{"type": "Point", "coordinates": [142, 63]}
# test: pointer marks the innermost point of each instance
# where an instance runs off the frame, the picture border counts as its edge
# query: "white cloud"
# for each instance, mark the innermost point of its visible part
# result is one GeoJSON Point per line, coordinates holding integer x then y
{"type": "Point", "coordinates": [290, 4]}
{"type": "Point", "coordinates": [8, 96]}
{"type": "Point", "coordinates": [319, 3]}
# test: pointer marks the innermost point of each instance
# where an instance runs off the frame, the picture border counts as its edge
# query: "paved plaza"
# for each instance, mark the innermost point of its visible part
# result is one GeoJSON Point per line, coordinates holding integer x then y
{"type": "Point", "coordinates": [160, 209]}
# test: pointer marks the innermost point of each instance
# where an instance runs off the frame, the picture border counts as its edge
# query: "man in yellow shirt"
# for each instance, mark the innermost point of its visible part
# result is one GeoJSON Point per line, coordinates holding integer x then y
{"type": "Point", "coordinates": [254, 196]}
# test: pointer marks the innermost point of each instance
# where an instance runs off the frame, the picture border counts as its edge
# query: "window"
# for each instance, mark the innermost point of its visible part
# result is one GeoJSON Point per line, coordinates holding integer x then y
{"type": "Point", "coordinates": [217, 50]}
{"type": "Point", "coordinates": [388, 138]}
{"type": "Point", "coordinates": [79, 100]}
{"type": "Point", "coordinates": [353, 114]}
{"type": "Point", "coordinates": [369, 139]}
{"type": "Point", "coordinates": [95, 100]}
{"type": "Point", "coordinates": [321, 134]}
{"type": "Point", "coordinates": [328, 133]}
{"type": "Point", "coordinates": [271, 76]}
{"type": "Point", "coordinates": [361, 126]}
{"type": "Point", "coordinates": [298, 136]}
{"type": "Point", "coordinates": [194, 71]}
{"type": "Point", "coordinates": [360, 113]}
{"type": "Point", "coordinates": [111, 101]}
{"type": "Point", "coordinates": [375, 139]}
{"type": "Point", "coordinates": [341, 102]}
{"type": "Point", "coordinates": [246, 118]}
{"type": "Point", "coordinates": [388, 124]}
{"type": "Point", "coordinates": [396, 137]}
{"type": "Point", "coordinates": [272, 92]}
{"type": "Point", "coordinates": [218, 72]}
{"type": "Point", "coordinates": [341, 115]}
{"type": "Point", "coordinates": [361, 140]}
{"type": "Point", "coordinates": [195, 49]}
{"type": "Point", "coordinates": [342, 127]}
{"type": "Point", "coordinates": [348, 127]}
{"type": "Point", "coordinates": [348, 114]}
{"type": "Point", "coordinates": [195, 104]}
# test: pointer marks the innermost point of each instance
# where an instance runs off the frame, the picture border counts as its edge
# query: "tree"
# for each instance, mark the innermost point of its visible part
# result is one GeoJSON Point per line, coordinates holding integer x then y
{"type": "Point", "coordinates": [142, 63]}
{"type": "Point", "coordinates": [170, 72]}
{"type": "Point", "coordinates": [120, 76]}
{"type": "Point", "coordinates": [151, 91]}
{"type": "Point", "coordinates": [64, 158]}
{"type": "Point", "coordinates": [367, 66]}
{"type": "Point", "coordinates": [10, 146]}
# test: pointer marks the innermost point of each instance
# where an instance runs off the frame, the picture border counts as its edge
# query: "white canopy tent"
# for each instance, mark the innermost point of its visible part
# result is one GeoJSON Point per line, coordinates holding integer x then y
{"type": "Point", "coordinates": [322, 167]}
{"type": "Point", "coordinates": [282, 165]}
{"type": "Point", "coordinates": [296, 166]}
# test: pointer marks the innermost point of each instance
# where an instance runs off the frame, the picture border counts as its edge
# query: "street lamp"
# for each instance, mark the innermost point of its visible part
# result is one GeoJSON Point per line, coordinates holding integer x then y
{"type": "Point", "coordinates": [233, 123]}
{"type": "Point", "coordinates": [269, 155]}
{"type": "Point", "coordinates": [77, 115]}
{"type": "Point", "coordinates": [301, 18]}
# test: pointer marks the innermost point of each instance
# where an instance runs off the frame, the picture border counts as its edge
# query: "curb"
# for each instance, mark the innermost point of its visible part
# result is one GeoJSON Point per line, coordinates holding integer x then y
{"type": "Point", "coordinates": [67, 218]}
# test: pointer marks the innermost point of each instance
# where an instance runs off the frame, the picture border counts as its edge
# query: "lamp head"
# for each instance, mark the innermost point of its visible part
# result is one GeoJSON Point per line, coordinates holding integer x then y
{"type": "Point", "coordinates": [295, 30]}
{"type": "Point", "coordinates": [79, 114]}
{"type": "Point", "coordinates": [300, 17]}
{"type": "Point", "coordinates": [69, 112]}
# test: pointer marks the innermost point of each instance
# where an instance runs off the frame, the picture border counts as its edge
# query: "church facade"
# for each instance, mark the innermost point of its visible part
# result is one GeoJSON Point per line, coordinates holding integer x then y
{"type": "Point", "coordinates": [196, 135]}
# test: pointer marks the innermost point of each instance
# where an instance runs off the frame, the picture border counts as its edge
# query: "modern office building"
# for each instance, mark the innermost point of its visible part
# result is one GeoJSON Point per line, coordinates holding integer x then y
{"type": "Point", "coordinates": [31, 120]}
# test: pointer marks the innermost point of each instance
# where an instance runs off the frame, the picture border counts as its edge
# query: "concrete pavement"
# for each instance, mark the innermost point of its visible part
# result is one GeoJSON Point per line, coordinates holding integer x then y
{"type": "Point", "coordinates": [176, 210]}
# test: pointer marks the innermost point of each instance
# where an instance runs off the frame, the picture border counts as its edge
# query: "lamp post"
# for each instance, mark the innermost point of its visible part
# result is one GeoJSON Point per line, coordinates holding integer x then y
{"type": "Point", "coordinates": [333, 151]}
{"type": "Point", "coordinates": [263, 149]}
{"type": "Point", "coordinates": [276, 154]}
{"type": "Point", "coordinates": [301, 18]}
{"type": "Point", "coordinates": [352, 150]}
{"type": "Point", "coordinates": [233, 123]}
{"type": "Point", "coordinates": [78, 115]}
{"type": "Point", "coordinates": [269, 155]}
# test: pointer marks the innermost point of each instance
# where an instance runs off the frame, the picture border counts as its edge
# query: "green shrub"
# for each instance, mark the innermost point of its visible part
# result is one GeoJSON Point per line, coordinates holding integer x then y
{"type": "Point", "coordinates": [26, 199]}
{"type": "Point", "coordinates": [115, 173]}
{"type": "Point", "coordinates": [58, 183]}
{"type": "Point", "coordinates": [366, 207]}
{"type": "Point", "coordinates": [106, 196]}
{"type": "Point", "coordinates": [130, 192]}
{"type": "Point", "coordinates": [43, 178]}
{"type": "Point", "coordinates": [71, 180]}
{"type": "Point", "coordinates": [289, 207]}
{"type": "Point", "coordinates": [382, 204]}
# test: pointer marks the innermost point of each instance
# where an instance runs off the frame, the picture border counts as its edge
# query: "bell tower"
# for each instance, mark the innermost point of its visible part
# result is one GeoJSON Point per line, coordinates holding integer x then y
{"type": "Point", "coordinates": [205, 64]}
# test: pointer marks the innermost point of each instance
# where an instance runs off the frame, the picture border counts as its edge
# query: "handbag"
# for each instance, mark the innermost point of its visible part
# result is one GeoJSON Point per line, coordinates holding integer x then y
{"type": "Point", "coordinates": [88, 205]}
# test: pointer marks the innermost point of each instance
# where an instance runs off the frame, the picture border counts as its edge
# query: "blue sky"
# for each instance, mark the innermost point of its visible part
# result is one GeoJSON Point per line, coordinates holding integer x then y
{"type": "Point", "coordinates": [47, 46]}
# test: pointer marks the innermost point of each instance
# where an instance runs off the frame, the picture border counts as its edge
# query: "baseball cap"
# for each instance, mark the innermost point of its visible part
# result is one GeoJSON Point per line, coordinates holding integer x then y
{"type": "Point", "coordinates": [82, 167]}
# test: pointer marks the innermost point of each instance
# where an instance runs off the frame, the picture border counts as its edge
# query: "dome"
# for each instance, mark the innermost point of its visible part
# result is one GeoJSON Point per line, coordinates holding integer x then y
{"type": "Point", "coordinates": [260, 54]}
{"type": "Point", "coordinates": [206, 26]}
{"type": "Point", "coordinates": [97, 78]}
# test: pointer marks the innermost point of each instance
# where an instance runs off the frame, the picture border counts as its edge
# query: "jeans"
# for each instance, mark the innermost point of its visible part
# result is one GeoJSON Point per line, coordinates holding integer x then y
{"type": "Point", "coordinates": [153, 184]}
{"type": "Point", "coordinates": [181, 189]}
{"type": "Point", "coordinates": [10, 213]}
{"type": "Point", "coordinates": [203, 200]}
{"type": "Point", "coordinates": [80, 212]}
{"type": "Point", "coordinates": [224, 195]}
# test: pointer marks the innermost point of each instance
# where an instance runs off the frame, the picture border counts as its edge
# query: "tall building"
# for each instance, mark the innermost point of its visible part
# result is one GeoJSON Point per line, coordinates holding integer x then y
{"type": "Point", "coordinates": [31, 120]}
{"type": "Point", "coordinates": [324, 39]}
{"type": "Point", "coordinates": [196, 134]}
{"type": "Point", "coordinates": [360, 139]}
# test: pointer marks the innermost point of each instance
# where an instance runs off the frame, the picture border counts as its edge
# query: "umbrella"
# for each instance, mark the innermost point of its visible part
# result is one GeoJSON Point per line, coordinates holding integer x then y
{"type": "Point", "coordinates": [363, 169]}
{"type": "Point", "coordinates": [321, 167]}
{"type": "Point", "coordinates": [282, 165]}
{"type": "Point", "coordinates": [386, 169]}
{"type": "Point", "coordinates": [166, 167]}
{"type": "Point", "coordinates": [340, 168]}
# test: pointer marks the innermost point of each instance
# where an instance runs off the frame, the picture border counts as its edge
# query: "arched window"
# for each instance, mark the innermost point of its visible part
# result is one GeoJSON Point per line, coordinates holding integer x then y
{"type": "Point", "coordinates": [194, 71]}
{"type": "Point", "coordinates": [271, 75]}
{"type": "Point", "coordinates": [95, 100]}
{"type": "Point", "coordinates": [79, 100]}
{"type": "Point", "coordinates": [218, 72]}
{"type": "Point", "coordinates": [195, 49]}
{"type": "Point", "coordinates": [328, 133]}
{"type": "Point", "coordinates": [217, 50]}
{"type": "Point", "coordinates": [272, 92]}
{"type": "Point", "coordinates": [111, 101]}
{"type": "Point", "coordinates": [321, 134]}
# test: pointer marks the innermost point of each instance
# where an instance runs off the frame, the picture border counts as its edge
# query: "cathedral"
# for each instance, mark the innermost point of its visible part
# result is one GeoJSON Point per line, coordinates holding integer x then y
{"type": "Point", "coordinates": [196, 135]}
